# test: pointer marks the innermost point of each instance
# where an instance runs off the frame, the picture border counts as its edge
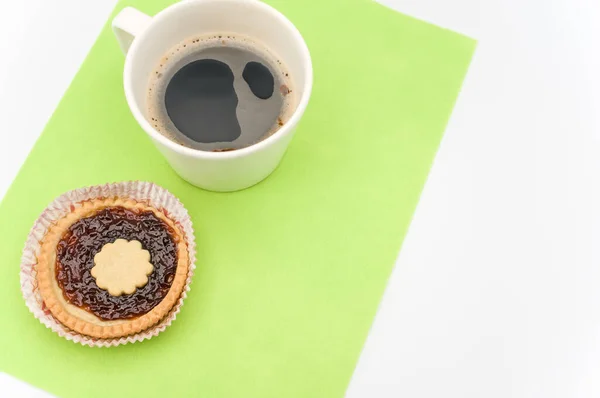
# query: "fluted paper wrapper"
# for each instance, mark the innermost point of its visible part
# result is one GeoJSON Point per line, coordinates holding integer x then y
{"type": "Point", "coordinates": [144, 192]}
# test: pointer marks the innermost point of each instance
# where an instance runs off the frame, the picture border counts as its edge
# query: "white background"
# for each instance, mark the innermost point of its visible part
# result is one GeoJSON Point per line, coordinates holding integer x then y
{"type": "Point", "coordinates": [497, 289]}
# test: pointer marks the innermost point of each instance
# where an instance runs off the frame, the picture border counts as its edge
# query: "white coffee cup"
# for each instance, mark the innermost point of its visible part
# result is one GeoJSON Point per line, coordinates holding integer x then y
{"type": "Point", "coordinates": [145, 40]}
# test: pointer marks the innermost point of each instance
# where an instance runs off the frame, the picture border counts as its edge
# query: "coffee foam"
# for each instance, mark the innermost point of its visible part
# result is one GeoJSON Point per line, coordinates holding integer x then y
{"type": "Point", "coordinates": [190, 50]}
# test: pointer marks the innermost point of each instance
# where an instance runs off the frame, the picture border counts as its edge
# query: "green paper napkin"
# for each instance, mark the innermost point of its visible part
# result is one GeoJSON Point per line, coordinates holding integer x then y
{"type": "Point", "coordinates": [290, 272]}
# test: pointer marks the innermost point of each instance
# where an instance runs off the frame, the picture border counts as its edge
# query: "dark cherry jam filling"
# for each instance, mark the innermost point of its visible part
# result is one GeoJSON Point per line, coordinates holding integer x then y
{"type": "Point", "coordinates": [86, 237]}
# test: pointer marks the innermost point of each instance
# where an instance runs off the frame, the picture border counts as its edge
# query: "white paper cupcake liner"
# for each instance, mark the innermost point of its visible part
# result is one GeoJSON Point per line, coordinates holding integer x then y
{"type": "Point", "coordinates": [145, 192]}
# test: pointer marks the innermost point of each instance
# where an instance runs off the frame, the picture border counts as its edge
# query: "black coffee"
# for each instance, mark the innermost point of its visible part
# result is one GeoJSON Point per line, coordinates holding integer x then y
{"type": "Point", "coordinates": [219, 93]}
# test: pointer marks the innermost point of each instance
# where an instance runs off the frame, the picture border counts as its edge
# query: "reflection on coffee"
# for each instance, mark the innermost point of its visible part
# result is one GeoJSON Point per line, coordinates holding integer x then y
{"type": "Point", "coordinates": [219, 93]}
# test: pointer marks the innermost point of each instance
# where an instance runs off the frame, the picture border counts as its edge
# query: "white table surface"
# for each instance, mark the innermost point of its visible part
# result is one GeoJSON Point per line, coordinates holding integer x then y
{"type": "Point", "coordinates": [496, 292]}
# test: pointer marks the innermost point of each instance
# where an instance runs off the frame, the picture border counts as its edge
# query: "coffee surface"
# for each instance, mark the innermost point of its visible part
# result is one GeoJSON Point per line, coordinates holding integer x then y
{"type": "Point", "coordinates": [219, 94]}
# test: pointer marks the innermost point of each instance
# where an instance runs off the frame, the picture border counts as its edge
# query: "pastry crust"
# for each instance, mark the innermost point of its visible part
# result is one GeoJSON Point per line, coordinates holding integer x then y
{"type": "Point", "coordinates": [82, 321]}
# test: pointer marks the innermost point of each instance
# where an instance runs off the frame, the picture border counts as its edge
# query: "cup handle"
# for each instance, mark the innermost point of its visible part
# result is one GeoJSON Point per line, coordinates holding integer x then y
{"type": "Point", "coordinates": [128, 24]}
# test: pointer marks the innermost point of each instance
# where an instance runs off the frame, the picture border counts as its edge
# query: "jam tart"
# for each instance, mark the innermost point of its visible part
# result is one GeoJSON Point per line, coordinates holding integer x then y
{"type": "Point", "coordinates": [112, 267]}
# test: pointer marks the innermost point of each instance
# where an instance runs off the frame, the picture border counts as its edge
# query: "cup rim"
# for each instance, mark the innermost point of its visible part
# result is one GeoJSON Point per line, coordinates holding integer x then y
{"type": "Point", "coordinates": [196, 153]}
